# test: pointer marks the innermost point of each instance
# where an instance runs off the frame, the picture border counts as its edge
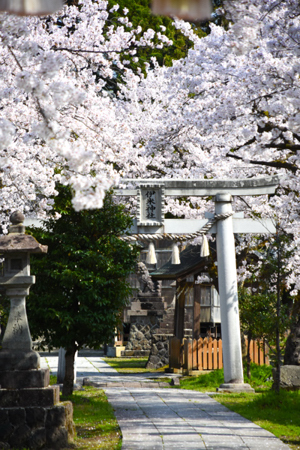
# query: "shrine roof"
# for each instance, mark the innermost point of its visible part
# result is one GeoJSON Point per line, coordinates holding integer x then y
{"type": "Point", "coordinates": [191, 262]}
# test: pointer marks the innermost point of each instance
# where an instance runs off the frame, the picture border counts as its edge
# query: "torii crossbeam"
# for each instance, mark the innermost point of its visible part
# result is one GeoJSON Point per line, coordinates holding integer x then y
{"type": "Point", "coordinates": [150, 219]}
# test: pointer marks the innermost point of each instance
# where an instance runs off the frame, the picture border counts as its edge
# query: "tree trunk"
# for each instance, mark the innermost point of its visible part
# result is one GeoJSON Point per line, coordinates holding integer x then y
{"type": "Point", "coordinates": [292, 349]}
{"type": "Point", "coordinates": [278, 363]}
{"type": "Point", "coordinates": [68, 383]}
{"type": "Point", "coordinates": [278, 316]}
{"type": "Point", "coordinates": [248, 356]}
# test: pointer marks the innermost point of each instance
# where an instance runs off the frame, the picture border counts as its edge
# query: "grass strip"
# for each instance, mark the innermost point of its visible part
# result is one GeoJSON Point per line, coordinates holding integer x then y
{"type": "Point", "coordinates": [131, 365]}
{"type": "Point", "coordinates": [95, 422]}
{"type": "Point", "coordinates": [261, 379]}
{"type": "Point", "coordinates": [277, 413]}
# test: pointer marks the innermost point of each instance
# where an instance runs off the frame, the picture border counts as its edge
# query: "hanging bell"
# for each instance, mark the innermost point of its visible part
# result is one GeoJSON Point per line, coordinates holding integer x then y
{"type": "Point", "coordinates": [204, 247]}
{"type": "Point", "coordinates": [175, 254]}
{"type": "Point", "coordinates": [192, 10]}
{"type": "Point", "coordinates": [31, 7]}
{"type": "Point", "coordinates": [151, 256]}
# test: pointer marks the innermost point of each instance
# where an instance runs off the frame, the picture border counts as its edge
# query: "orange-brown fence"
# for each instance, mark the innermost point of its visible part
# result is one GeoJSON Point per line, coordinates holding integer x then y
{"type": "Point", "coordinates": [206, 354]}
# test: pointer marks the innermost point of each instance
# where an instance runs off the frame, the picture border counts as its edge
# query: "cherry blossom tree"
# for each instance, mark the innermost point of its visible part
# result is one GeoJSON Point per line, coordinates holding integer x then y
{"type": "Point", "coordinates": [230, 109]}
{"type": "Point", "coordinates": [58, 119]}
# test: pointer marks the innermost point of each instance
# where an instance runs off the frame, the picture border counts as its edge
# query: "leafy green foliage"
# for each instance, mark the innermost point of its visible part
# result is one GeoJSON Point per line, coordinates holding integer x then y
{"type": "Point", "coordinates": [265, 304]}
{"type": "Point", "coordinates": [259, 319]}
{"type": "Point", "coordinates": [81, 283]}
{"type": "Point", "coordinates": [255, 312]}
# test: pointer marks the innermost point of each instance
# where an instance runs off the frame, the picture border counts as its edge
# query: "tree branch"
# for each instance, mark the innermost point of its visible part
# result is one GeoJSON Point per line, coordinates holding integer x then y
{"type": "Point", "coordinates": [277, 164]}
{"type": "Point", "coordinates": [71, 50]}
{"type": "Point", "coordinates": [282, 146]}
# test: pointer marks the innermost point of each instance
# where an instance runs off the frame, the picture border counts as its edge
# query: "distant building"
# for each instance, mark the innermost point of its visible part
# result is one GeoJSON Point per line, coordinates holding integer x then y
{"type": "Point", "coordinates": [197, 303]}
{"type": "Point", "coordinates": [192, 307]}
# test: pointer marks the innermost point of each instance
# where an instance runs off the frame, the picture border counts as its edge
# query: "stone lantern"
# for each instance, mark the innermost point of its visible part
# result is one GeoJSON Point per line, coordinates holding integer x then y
{"type": "Point", "coordinates": [31, 7]}
{"type": "Point", "coordinates": [15, 248]}
{"type": "Point", "coordinates": [30, 411]}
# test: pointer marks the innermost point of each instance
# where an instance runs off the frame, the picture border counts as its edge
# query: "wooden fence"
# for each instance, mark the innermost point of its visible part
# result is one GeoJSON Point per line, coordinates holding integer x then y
{"type": "Point", "coordinates": [206, 354]}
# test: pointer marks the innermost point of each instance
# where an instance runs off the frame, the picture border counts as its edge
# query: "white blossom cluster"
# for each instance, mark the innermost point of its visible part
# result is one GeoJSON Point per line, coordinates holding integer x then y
{"type": "Point", "coordinates": [58, 121]}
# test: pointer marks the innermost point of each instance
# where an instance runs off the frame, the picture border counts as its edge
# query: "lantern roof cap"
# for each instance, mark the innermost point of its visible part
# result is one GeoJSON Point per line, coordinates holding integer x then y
{"type": "Point", "coordinates": [17, 241]}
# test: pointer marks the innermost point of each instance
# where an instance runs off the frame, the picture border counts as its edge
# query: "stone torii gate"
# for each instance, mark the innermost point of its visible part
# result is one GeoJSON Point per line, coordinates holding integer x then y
{"type": "Point", "coordinates": [151, 195]}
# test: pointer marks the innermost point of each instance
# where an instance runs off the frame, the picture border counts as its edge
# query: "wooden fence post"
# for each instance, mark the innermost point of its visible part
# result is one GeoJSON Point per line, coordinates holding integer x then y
{"type": "Point", "coordinates": [220, 355]}
{"type": "Point", "coordinates": [215, 354]}
{"type": "Point", "coordinates": [205, 353]}
{"type": "Point", "coordinates": [200, 354]}
{"type": "Point", "coordinates": [174, 353]}
{"type": "Point", "coordinates": [209, 354]}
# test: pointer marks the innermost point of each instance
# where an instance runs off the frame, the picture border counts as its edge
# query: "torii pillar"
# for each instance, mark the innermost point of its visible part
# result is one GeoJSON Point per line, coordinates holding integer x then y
{"type": "Point", "coordinates": [229, 305]}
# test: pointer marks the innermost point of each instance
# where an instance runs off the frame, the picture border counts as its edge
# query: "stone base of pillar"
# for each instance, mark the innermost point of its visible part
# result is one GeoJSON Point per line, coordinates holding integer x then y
{"type": "Point", "coordinates": [37, 427]}
{"type": "Point", "coordinates": [32, 417]}
{"type": "Point", "coordinates": [235, 388]}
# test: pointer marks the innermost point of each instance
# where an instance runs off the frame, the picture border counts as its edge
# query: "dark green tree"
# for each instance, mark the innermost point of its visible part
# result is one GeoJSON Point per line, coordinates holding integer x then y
{"type": "Point", "coordinates": [265, 305]}
{"type": "Point", "coordinates": [257, 314]}
{"type": "Point", "coordinates": [81, 283]}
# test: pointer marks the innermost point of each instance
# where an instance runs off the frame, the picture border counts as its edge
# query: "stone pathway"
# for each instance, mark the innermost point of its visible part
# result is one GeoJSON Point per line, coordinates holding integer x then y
{"type": "Point", "coordinates": [173, 419]}
{"type": "Point", "coordinates": [91, 366]}
{"type": "Point", "coordinates": [169, 419]}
